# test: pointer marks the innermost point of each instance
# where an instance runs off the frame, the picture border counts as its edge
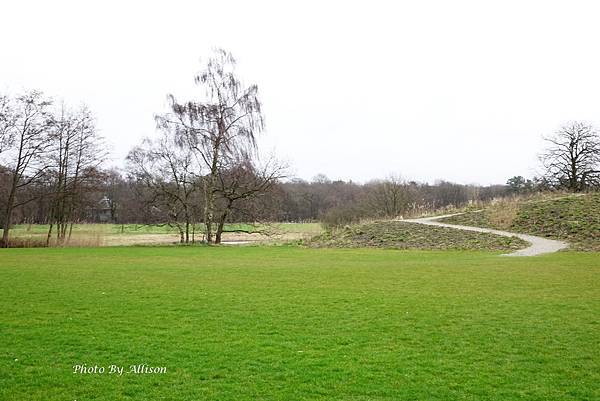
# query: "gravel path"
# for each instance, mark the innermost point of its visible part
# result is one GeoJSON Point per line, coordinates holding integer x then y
{"type": "Point", "coordinates": [538, 245]}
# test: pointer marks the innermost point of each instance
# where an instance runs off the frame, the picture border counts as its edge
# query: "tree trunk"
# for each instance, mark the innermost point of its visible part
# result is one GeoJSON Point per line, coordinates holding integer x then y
{"type": "Point", "coordinates": [209, 192]}
{"type": "Point", "coordinates": [6, 226]}
{"type": "Point", "coordinates": [49, 234]}
{"type": "Point", "coordinates": [208, 211]}
{"type": "Point", "coordinates": [219, 231]}
{"type": "Point", "coordinates": [9, 209]}
{"type": "Point", "coordinates": [221, 225]}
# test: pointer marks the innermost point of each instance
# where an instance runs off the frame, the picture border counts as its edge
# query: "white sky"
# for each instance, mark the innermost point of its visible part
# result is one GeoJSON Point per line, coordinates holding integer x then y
{"type": "Point", "coordinates": [460, 90]}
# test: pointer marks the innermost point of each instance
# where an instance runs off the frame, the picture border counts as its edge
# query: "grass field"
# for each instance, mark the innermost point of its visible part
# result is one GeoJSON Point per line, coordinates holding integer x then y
{"type": "Point", "coordinates": [285, 323]}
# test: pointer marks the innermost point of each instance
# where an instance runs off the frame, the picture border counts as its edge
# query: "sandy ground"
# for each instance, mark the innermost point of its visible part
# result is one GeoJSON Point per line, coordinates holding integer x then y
{"type": "Point", "coordinates": [538, 245]}
{"type": "Point", "coordinates": [228, 239]}
{"type": "Point", "coordinates": [139, 239]}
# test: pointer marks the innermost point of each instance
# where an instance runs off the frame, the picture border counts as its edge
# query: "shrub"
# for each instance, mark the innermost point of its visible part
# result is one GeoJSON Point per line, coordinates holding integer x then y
{"type": "Point", "coordinates": [339, 217]}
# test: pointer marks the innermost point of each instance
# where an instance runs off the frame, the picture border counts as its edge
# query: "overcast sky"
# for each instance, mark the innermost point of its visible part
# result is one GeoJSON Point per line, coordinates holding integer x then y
{"type": "Point", "coordinates": [456, 90]}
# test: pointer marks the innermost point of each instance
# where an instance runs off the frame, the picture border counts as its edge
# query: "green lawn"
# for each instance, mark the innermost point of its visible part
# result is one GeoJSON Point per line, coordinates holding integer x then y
{"type": "Point", "coordinates": [284, 323]}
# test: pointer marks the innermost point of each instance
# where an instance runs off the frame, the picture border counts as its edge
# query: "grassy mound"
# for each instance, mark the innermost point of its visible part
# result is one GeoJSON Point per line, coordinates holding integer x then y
{"type": "Point", "coordinates": [402, 235]}
{"type": "Point", "coordinates": [575, 219]}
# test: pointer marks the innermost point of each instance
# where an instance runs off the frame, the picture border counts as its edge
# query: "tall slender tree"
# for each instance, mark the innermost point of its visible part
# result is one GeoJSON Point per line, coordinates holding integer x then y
{"type": "Point", "coordinates": [25, 123]}
{"type": "Point", "coordinates": [220, 126]}
{"type": "Point", "coordinates": [76, 152]}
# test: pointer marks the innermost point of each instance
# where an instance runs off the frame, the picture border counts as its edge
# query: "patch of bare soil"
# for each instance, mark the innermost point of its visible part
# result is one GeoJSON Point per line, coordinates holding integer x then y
{"type": "Point", "coordinates": [169, 239]}
{"type": "Point", "coordinates": [256, 238]}
{"type": "Point", "coordinates": [140, 239]}
{"type": "Point", "coordinates": [244, 238]}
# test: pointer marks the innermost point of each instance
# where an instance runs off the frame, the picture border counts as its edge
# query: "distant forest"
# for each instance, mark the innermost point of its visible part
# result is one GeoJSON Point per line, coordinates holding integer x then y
{"type": "Point", "coordinates": [111, 196]}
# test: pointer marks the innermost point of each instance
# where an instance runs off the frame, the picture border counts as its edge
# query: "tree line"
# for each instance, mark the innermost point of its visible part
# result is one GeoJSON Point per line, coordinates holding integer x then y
{"type": "Point", "coordinates": [49, 152]}
{"type": "Point", "coordinates": [202, 169]}
{"type": "Point", "coordinates": [143, 197]}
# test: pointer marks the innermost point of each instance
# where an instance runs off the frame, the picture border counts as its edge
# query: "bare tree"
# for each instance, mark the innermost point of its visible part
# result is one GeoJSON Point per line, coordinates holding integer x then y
{"type": "Point", "coordinates": [243, 181]}
{"type": "Point", "coordinates": [75, 154]}
{"type": "Point", "coordinates": [390, 197]}
{"type": "Point", "coordinates": [24, 128]}
{"type": "Point", "coordinates": [219, 127]}
{"type": "Point", "coordinates": [572, 159]}
{"type": "Point", "coordinates": [171, 173]}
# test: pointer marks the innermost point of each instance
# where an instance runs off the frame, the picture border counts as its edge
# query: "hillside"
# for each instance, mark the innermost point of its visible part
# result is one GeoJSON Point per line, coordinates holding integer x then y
{"type": "Point", "coordinates": [402, 235]}
{"type": "Point", "coordinates": [574, 218]}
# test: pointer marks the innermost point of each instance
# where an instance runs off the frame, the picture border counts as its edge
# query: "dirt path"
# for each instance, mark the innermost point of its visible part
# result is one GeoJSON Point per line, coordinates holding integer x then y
{"type": "Point", "coordinates": [538, 245]}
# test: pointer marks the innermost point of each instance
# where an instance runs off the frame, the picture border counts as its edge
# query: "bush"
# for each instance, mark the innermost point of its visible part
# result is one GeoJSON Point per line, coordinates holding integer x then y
{"type": "Point", "coordinates": [339, 217]}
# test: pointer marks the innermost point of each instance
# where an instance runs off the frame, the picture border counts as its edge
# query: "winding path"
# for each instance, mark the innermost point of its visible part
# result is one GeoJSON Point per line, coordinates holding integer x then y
{"type": "Point", "coordinates": [538, 245]}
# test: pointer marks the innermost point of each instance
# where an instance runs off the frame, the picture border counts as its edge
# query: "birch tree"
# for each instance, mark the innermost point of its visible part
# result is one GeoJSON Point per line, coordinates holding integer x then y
{"type": "Point", "coordinates": [220, 126]}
